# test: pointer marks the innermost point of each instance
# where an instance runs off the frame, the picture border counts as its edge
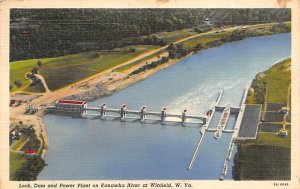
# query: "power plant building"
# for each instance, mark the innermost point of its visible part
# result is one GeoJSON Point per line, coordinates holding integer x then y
{"type": "Point", "coordinates": [72, 107]}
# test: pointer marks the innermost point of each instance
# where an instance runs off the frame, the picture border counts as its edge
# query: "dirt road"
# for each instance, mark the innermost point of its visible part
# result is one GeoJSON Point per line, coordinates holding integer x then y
{"type": "Point", "coordinates": [43, 82]}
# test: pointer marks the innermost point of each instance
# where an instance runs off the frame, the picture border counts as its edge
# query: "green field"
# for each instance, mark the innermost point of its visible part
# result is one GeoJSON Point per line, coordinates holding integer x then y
{"type": "Point", "coordinates": [16, 162]}
{"type": "Point", "coordinates": [126, 67]}
{"type": "Point", "coordinates": [62, 71]}
{"type": "Point", "coordinates": [271, 139]}
{"type": "Point", "coordinates": [59, 77]}
{"type": "Point", "coordinates": [19, 69]}
{"type": "Point", "coordinates": [19, 143]}
{"type": "Point", "coordinates": [278, 79]}
{"type": "Point", "coordinates": [38, 88]}
{"type": "Point", "coordinates": [176, 35]}
{"type": "Point", "coordinates": [204, 39]}
{"type": "Point", "coordinates": [23, 167]}
{"type": "Point", "coordinates": [272, 86]}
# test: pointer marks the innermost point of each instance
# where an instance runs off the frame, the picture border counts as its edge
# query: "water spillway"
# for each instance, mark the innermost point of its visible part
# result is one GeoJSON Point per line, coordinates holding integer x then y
{"type": "Point", "coordinates": [93, 149]}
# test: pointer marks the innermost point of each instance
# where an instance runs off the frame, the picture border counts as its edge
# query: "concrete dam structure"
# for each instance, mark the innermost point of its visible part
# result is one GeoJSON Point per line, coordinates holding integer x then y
{"type": "Point", "coordinates": [243, 128]}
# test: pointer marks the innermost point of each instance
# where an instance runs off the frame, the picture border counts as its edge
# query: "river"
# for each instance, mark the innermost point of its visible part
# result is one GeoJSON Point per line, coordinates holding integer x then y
{"type": "Point", "coordinates": [93, 149]}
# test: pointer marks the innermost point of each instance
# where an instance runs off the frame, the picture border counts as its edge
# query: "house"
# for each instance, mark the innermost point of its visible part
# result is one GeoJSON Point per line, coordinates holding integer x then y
{"type": "Point", "coordinates": [207, 21]}
{"type": "Point", "coordinates": [30, 151]}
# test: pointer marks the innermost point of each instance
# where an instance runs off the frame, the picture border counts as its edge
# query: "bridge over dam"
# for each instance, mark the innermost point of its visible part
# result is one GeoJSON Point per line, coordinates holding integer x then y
{"type": "Point", "coordinates": [245, 126]}
{"type": "Point", "coordinates": [142, 114]}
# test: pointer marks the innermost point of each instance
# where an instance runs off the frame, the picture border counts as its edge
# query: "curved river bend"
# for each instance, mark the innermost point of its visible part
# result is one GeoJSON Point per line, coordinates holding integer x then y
{"type": "Point", "coordinates": [90, 149]}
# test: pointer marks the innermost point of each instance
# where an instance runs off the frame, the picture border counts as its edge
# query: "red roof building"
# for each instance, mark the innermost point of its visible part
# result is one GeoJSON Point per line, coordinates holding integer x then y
{"type": "Point", "coordinates": [73, 102]}
{"type": "Point", "coordinates": [30, 151]}
{"type": "Point", "coordinates": [70, 106]}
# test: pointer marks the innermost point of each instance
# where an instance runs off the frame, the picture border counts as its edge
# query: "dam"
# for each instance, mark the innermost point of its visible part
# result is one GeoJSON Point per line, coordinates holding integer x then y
{"type": "Point", "coordinates": [248, 117]}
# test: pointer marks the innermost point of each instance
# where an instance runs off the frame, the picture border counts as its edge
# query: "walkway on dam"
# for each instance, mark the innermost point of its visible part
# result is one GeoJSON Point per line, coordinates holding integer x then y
{"type": "Point", "coordinates": [250, 122]}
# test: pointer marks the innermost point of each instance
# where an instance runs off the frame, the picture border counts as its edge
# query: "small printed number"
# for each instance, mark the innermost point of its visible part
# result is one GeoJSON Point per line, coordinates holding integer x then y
{"type": "Point", "coordinates": [281, 184]}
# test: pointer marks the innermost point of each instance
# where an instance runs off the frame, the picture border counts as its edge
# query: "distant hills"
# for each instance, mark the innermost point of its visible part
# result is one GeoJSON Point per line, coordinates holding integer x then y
{"type": "Point", "coordinates": [36, 33]}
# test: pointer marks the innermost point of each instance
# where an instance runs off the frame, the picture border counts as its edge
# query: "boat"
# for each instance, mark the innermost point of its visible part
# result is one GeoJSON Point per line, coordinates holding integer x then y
{"type": "Point", "coordinates": [222, 123]}
{"type": "Point", "coordinates": [224, 118]}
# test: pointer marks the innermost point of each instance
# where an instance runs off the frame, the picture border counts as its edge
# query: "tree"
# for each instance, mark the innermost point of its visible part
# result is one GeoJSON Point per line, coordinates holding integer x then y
{"type": "Point", "coordinates": [30, 169]}
{"type": "Point", "coordinates": [127, 26]}
{"type": "Point", "coordinates": [161, 42]}
{"type": "Point", "coordinates": [172, 55]}
{"type": "Point", "coordinates": [171, 47]}
{"type": "Point", "coordinates": [18, 83]}
{"type": "Point", "coordinates": [35, 70]}
{"type": "Point", "coordinates": [164, 59]}
{"type": "Point", "coordinates": [181, 50]}
{"type": "Point", "coordinates": [39, 63]}
{"type": "Point", "coordinates": [199, 46]}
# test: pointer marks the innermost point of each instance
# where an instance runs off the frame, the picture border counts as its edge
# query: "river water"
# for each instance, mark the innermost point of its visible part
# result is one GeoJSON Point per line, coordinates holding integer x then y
{"type": "Point", "coordinates": [93, 149]}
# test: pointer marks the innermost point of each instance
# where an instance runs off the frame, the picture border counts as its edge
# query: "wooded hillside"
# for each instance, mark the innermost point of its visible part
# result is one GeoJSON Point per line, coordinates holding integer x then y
{"type": "Point", "coordinates": [37, 33]}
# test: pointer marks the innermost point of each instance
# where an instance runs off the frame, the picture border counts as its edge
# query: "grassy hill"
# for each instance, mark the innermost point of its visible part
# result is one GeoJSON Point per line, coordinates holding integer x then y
{"type": "Point", "coordinates": [278, 80]}
{"type": "Point", "coordinates": [16, 162]}
{"type": "Point", "coordinates": [272, 85]}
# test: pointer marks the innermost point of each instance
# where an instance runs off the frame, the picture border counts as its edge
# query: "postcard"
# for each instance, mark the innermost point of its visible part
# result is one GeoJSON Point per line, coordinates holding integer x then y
{"type": "Point", "coordinates": [149, 94]}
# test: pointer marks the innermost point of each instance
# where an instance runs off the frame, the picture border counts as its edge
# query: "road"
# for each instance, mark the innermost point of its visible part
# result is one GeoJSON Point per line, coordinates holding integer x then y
{"type": "Point", "coordinates": [43, 82]}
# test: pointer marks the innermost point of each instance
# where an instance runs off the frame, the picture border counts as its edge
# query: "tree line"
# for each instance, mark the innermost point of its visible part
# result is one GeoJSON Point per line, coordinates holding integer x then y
{"type": "Point", "coordinates": [37, 33]}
